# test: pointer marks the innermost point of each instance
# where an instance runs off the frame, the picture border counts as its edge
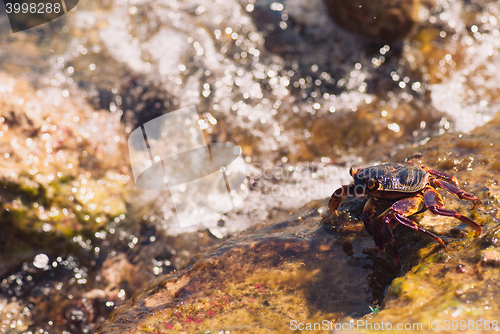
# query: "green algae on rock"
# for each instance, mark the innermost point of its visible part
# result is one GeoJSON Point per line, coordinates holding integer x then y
{"type": "Point", "coordinates": [63, 179]}
{"type": "Point", "coordinates": [61, 172]}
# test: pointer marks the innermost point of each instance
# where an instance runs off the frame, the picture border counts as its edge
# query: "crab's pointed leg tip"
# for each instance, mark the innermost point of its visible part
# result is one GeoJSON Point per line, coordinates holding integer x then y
{"type": "Point", "coordinates": [475, 204]}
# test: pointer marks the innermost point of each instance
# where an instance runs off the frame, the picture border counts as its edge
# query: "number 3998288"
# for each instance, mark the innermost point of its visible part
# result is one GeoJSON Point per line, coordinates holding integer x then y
{"type": "Point", "coordinates": [33, 8]}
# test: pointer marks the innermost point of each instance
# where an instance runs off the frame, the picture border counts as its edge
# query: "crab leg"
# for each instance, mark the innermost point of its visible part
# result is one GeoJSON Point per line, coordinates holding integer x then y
{"type": "Point", "coordinates": [349, 190]}
{"type": "Point", "coordinates": [400, 211]}
{"type": "Point", "coordinates": [382, 234]}
{"type": "Point", "coordinates": [375, 227]}
{"type": "Point", "coordinates": [390, 238]}
{"type": "Point", "coordinates": [434, 202]}
{"type": "Point", "coordinates": [411, 224]}
{"type": "Point", "coordinates": [452, 189]}
{"type": "Point", "coordinates": [441, 175]}
{"type": "Point", "coordinates": [370, 206]}
{"type": "Point", "coordinates": [368, 212]}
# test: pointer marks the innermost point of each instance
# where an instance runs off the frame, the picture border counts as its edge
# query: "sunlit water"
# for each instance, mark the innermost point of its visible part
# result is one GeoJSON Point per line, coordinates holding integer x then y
{"type": "Point", "coordinates": [262, 75]}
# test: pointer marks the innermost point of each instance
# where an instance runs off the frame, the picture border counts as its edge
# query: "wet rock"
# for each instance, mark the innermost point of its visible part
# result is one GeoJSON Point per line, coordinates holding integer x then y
{"type": "Point", "coordinates": [299, 270]}
{"type": "Point", "coordinates": [490, 256]}
{"type": "Point", "coordinates": [385, 21]}
{"type": "Point", "coordinates": [365, 133]}
{"type": "Point", "coordinates": [196, 53]}
{"type": "Point", "coordinates": [61, 172]}
{"type": "Point", "coordinates": [60, 163]}
{"type": "Point", "coordinates": [15, 310]}
{"type": "Point", "coordinates": [459, 282]}
{"type": "Point", "coordinates": [274, 23]}
{"type": "Point", "coordinates": [262, 279]}
{"type": "Point", "coordinates": [63, 181]}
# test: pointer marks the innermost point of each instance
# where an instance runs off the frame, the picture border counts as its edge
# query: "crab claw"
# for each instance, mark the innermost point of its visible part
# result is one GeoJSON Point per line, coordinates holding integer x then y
{"type": "Point", "coordinates": [349, 190]}
{"type": "Point", "coordinates": [335, 200]}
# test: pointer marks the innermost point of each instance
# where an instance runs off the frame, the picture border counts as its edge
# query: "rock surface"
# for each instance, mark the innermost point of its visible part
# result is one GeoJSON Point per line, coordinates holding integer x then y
{"type": "Point", "coordinates": [311, 269]}
{"type": "Point", "coordinates": [458, 284]}
{"type": "Point", "coordinates": [63, 179]}
{"type": "Point", "coordinates": [61, 174]}
{"type": "Point", "coordinates": [259, 282]}
{"type": "Point", "coordinates": [386, 21]}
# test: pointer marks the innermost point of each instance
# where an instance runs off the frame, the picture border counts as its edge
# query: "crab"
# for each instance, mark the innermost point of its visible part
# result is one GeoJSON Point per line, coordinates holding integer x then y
{"type": "Point", "coordinates": [407, 189]}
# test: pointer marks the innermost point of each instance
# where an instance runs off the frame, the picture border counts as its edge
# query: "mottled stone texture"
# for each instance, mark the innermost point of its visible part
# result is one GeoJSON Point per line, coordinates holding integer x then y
{"type": "Point", "coordinates": [386, 21]}
{"type": "Point", "coordinates": [302, 270]}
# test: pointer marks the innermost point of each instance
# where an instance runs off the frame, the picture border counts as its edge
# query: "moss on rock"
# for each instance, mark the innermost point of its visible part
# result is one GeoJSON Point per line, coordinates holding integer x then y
{"type": "Point", "coordinates": [62, 172]}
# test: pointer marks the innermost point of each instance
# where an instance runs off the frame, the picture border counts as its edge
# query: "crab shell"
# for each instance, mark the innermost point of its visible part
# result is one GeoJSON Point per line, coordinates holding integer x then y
{"type": "Point", "coordinates": [391, 180]}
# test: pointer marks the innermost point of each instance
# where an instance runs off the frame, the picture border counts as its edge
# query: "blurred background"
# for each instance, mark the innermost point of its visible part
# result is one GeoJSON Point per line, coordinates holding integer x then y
{"type": "Point", "coordinates": [307, 89]}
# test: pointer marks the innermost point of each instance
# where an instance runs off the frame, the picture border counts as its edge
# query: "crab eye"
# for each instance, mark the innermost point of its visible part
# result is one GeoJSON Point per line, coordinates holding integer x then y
{"type": "Point", "coordinates": [371, 184]}
{"type": "Point", "coordinates": [352, 171]}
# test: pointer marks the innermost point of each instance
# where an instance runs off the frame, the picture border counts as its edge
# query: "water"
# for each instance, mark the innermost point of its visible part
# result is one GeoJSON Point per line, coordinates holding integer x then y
{"type": "Point", "coordinates": [303, 98]}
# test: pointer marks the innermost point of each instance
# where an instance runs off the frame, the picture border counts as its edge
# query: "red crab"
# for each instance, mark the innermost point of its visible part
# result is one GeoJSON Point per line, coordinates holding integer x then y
{"type": "Point", "coordinates": [410, 189]}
